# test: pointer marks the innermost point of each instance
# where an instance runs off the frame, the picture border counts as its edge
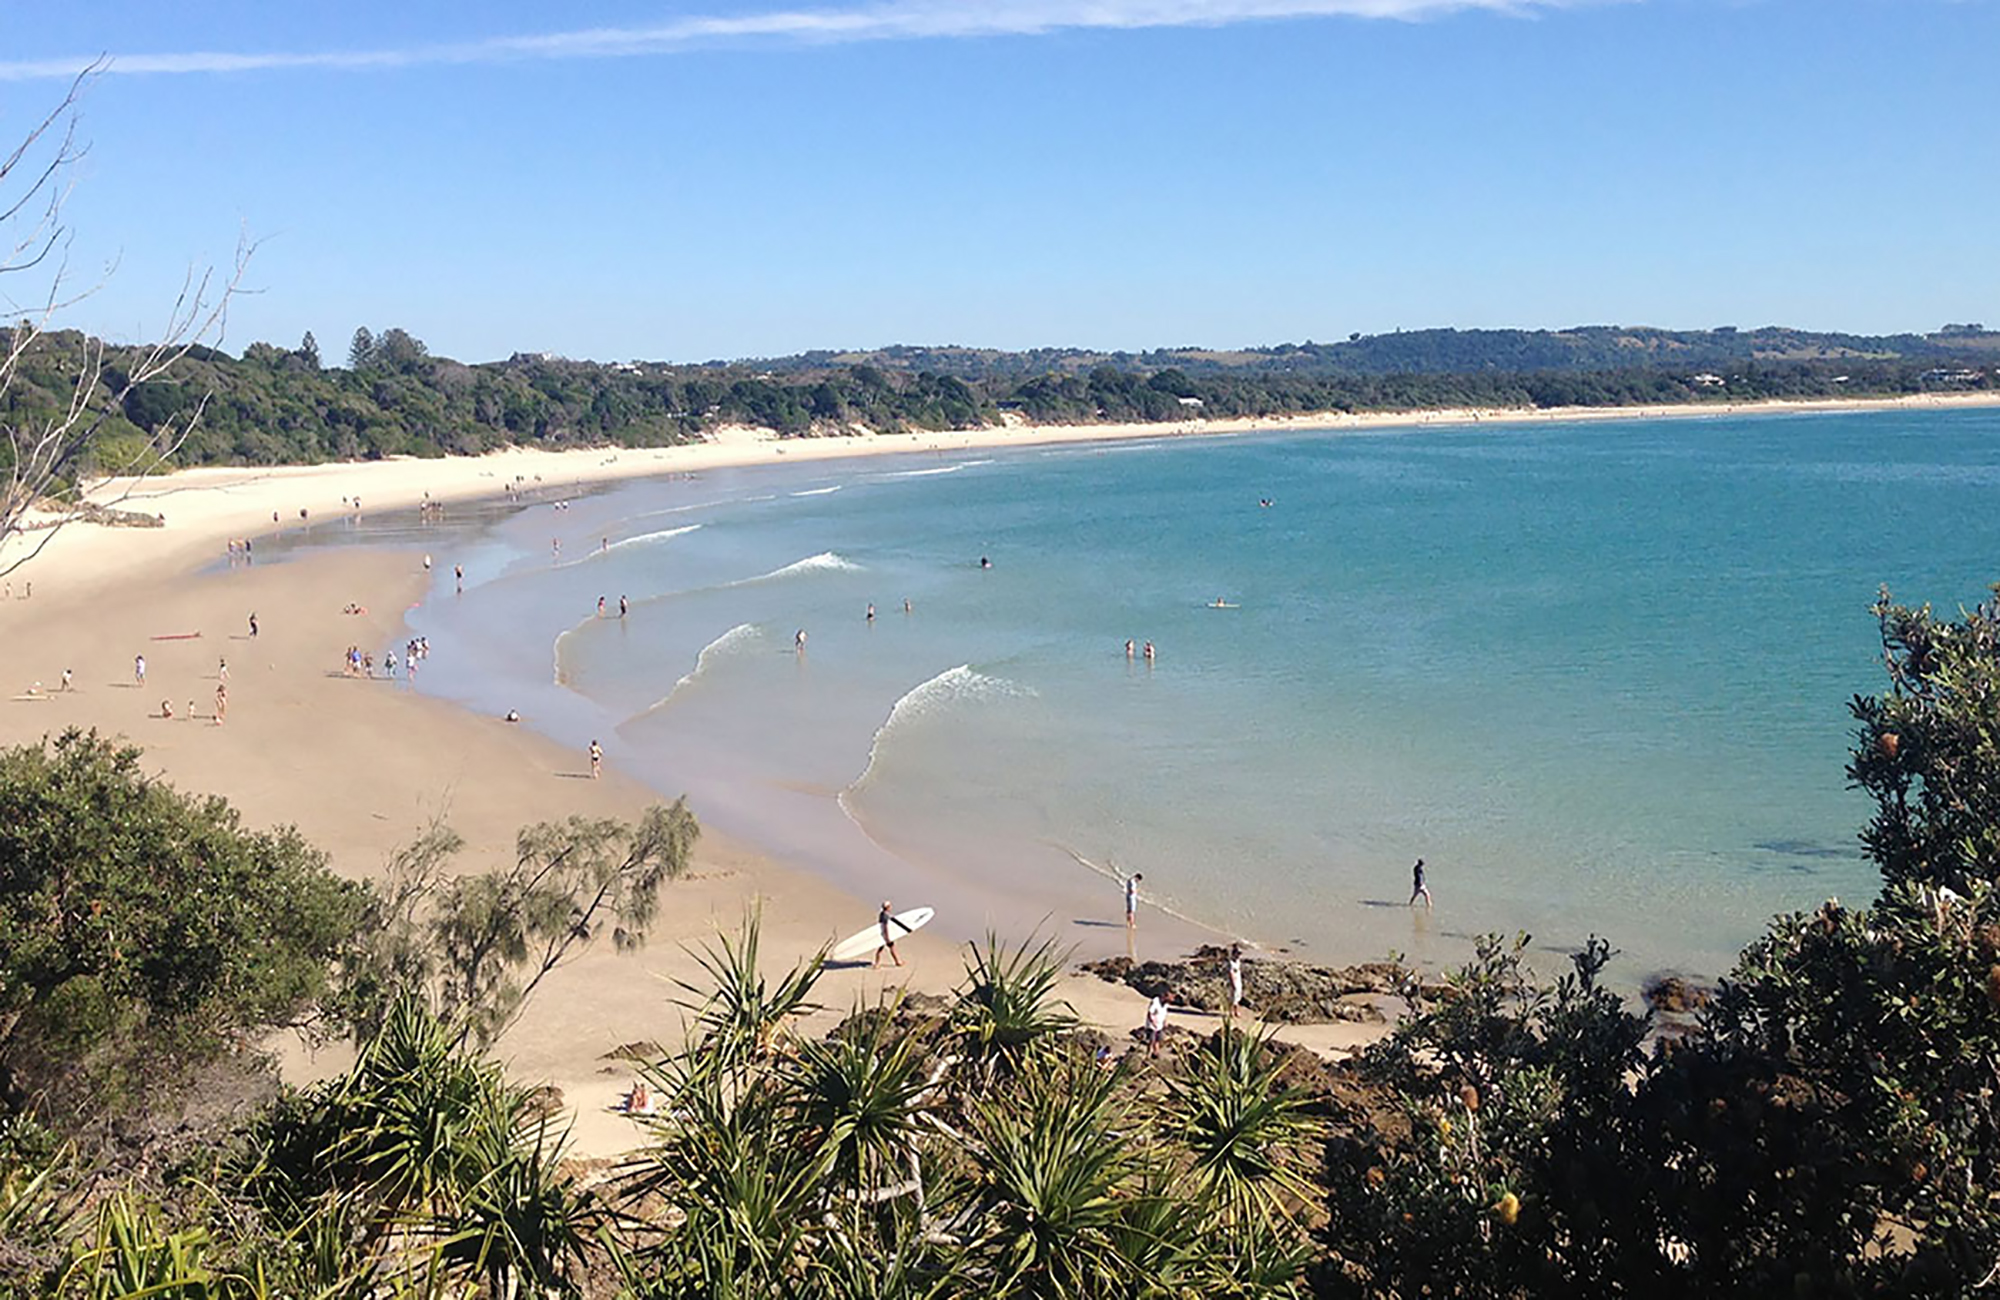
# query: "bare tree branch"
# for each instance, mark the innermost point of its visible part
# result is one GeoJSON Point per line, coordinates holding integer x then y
{"type": "Point", "coordinates": [49, 454]}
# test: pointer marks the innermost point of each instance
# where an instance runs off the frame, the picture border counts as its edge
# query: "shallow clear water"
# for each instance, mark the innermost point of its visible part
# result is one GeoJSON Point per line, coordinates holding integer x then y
{"type": "Point", "coordinates": [1595, 674]}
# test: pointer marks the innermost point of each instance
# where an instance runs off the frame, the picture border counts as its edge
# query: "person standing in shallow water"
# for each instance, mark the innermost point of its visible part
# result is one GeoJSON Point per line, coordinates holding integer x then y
{"type": "Point", "coordinates": [1418, 889]}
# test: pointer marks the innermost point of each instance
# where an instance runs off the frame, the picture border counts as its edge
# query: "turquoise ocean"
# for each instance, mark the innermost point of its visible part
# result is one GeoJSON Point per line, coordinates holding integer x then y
{"type": "Point", "coordinates": [1595, 673]}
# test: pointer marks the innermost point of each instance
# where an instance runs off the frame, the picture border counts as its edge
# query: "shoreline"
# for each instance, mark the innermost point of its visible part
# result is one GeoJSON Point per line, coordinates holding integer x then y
{"type": "Point", "coordinates": [361, 767]}
{"type": "Point", "coordinates": [204, 507]}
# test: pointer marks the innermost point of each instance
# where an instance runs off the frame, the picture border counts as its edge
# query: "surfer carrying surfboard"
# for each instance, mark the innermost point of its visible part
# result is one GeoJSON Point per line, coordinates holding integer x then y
{"type": "Point", "coordinates": [883, 920]}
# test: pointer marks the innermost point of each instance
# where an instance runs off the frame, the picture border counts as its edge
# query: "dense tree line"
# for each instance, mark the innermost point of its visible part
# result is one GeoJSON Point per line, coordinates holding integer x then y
{"type": "Point", "coordinates": [284, 405]}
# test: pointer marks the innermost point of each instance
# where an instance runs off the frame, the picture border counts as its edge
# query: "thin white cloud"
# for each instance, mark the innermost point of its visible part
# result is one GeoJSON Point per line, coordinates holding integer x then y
{"type": "Point", "coordinates": [910, 20]}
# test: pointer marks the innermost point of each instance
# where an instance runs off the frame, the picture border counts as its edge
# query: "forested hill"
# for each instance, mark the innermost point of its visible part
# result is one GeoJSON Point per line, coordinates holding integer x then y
{"type": "Point", "coordinates": [393, 397]}
{"type": "Point", "coordinates": [1443, 351]}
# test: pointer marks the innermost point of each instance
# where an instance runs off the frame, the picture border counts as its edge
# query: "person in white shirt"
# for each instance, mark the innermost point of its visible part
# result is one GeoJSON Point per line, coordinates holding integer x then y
{"type": "Point", "coordinates": [1156, 1026]}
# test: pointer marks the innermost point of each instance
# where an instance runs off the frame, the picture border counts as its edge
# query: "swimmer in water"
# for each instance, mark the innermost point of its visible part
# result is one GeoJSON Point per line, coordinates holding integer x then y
{"type": "Point", "coordinates": [985, 563]}
{"type": "Point", "coordinates": [1131, 649]}
{"type": "Point", "coordinates": [1149, 652]}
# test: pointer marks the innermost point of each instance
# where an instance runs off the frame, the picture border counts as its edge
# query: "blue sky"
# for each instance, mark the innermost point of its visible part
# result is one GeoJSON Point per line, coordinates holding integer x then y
{"type": "Point", "coordinates": [686, 181]}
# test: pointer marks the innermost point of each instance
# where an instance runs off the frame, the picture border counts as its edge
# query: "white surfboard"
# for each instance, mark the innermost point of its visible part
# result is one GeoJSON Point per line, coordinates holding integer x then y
{"type": "Point", "coordinates": [863, 943]}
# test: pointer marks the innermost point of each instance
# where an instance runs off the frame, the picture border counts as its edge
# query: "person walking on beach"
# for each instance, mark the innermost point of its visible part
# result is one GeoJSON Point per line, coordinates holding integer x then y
{"type": "Point", "coordinates": [883, 920]}
{"type": "Point", "coordinates": [799, 641]}
{"type": "Point", "coordinates": [1132, 899]}
{"type": "Point", "coordinates": [1235, 979]}
{"type": "Point", "coordinates": [65, 678]}
{"type": "Point", "coordinates": [221, 670]}
{"type": "Point", "coordinates": [600, 607]}
{"type": "Point", "coordinates": [596, 760]}
{"type": "Point", "coordinates": [623, 606]}
{"type": "Point", "coordinates": [1156, 1027]}
{"type": "Point", "coordinates": [1418, 889]}
{"type": "Point", "coordinates": [139, 669]}
{"type": "Point", "coordinates": [458, 577]}
{"type": "Point", "coordinates": [253, 625]}
{"type": "Point", "coordinates": [221, 703]}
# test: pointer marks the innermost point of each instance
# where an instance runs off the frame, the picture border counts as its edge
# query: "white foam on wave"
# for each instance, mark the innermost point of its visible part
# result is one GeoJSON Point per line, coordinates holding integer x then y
{"type": "Point", "coordinates": [643, 539]}
{"type": "Point", "coordinates": [556, 649]}
{"type": "Point", "coordinates": [742, 636]}
{"type": "Point", "coordinates": [824, 562]}
{"type": "Point", "coordinates": [819, 492]}
{"type": "Point", "coordinates": [925, 473]}
{"type": "Point", "coordinates": [950, 688]}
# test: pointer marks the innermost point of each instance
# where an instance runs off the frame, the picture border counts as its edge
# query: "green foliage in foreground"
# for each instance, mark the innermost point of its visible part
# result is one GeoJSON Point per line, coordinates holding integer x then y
{"type": "Point", "coordinates": [893, 1159]}
{"type": "Point", "coordinates": [877, 1163]}
{"type": "Point", "coordinates": [140, 927]}
{"type": "Point", "coordinates": [1830, 1125]}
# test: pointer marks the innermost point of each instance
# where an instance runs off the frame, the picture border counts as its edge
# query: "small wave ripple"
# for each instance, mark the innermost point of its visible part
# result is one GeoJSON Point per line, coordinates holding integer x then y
{"type": "Point", "coordinates": [740, 637]}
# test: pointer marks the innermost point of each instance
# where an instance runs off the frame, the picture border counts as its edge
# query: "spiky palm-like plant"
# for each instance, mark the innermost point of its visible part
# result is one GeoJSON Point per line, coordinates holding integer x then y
{"type": "Point", "coordinates": [1008, 1003]}
{"type": "Point", "coordinates": [741, 1012]}
{"type": "Point", "coordinates": [1056, 1185]}
{"type": "Point", "coordinates": [521, 1222]}
{"type": "Point", "coordinates": [744, 1181]}
{"type": "Point", "coordinates": [865, 1095]}
{"type": "Point", "coordinates": [1246, 1132]}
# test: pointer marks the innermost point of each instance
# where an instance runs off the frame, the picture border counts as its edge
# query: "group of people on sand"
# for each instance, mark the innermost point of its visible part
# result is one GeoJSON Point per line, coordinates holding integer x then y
{"type": "Point", "coordinates": [220, 712]}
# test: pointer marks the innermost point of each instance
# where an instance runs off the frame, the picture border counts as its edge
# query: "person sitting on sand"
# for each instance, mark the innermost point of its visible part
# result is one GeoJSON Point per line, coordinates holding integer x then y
{"type": "Point", "coordinates": [167, 709]}
{"type": "Point", "coordinates": [639, 1101]}
{"type": "Point", "coordinates": [512, 715]}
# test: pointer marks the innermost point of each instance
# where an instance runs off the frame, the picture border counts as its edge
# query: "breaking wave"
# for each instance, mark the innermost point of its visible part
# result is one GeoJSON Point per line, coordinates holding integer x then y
{"type": "Point", "coordinates": [742, 636]}
{"type": "Point", "coordinates": [643, 539]}
{"type": "Point", "coordinates": [950, 688]}
{"type": "Point", "coordinates": [824, 562]}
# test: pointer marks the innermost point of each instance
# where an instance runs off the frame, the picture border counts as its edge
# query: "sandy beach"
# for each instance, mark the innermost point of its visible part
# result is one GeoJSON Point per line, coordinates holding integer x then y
{"type": "Point", "coordinates": [361, 766]}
